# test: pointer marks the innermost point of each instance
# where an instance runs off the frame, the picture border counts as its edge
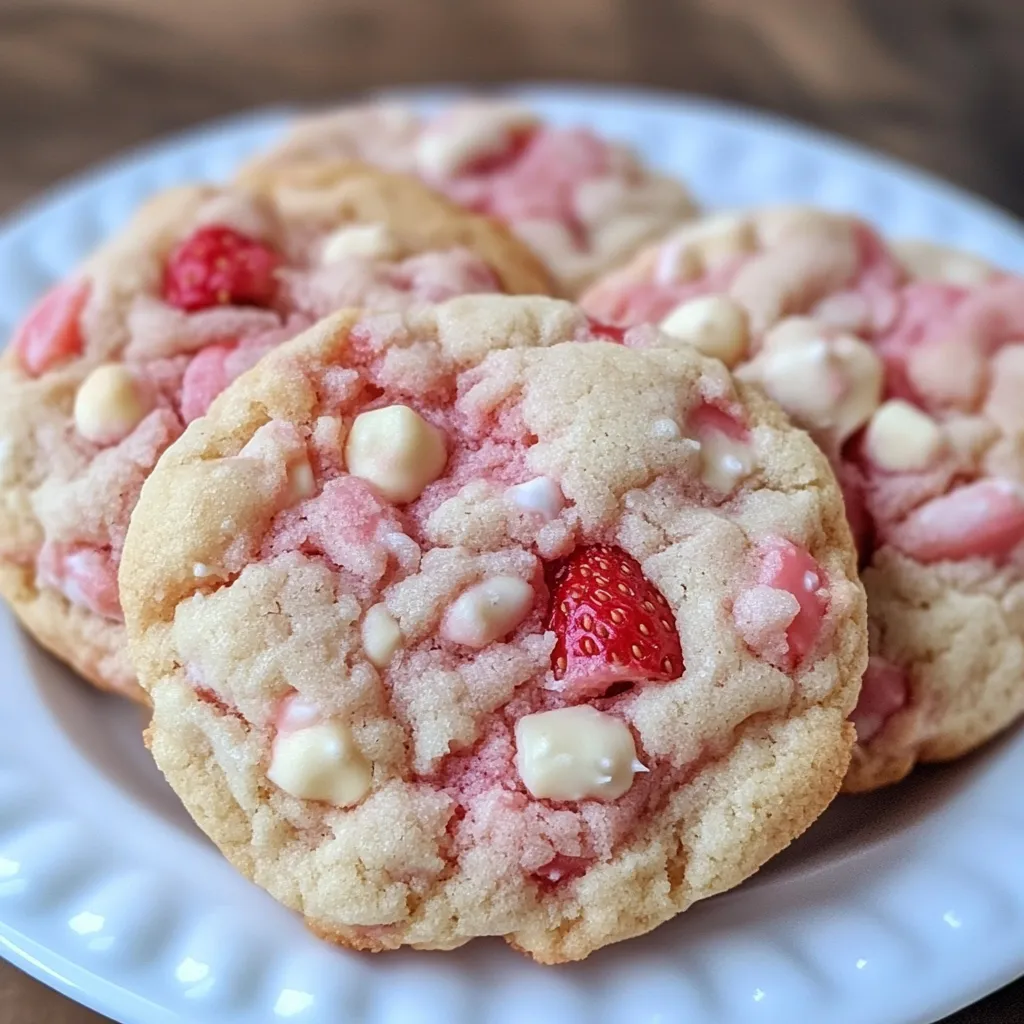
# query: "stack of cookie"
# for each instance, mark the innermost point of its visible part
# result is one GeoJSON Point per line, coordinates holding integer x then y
{"type": "Point", "coordinates": [472, 517]}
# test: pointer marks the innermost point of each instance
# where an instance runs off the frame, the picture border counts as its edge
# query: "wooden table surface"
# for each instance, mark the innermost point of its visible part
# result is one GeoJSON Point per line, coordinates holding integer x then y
{"type": "Point", "coordinates": [936, 82]}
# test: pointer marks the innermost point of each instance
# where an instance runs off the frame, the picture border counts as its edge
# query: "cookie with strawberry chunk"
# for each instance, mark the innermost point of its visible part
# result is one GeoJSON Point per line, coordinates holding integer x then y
{"type": "Point", "coordinates": [583, 203]}
{"type": "Point", "coordinates": [113, 363]}
{"type": "Point", "coordinates": [473, 621]}
{"type": "Point", "coordinates": [907, 365]}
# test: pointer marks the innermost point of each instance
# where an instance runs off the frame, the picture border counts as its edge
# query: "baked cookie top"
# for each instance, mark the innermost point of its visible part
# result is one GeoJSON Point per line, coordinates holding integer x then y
{"type": "Point", "coordinates": [907, 365]}
{"type": "Point", "coordinates": [473, 621]}
{"type": "Point", "coordinates": [111, 365]}
{"type": "Point", "coordinates": [583, 203]}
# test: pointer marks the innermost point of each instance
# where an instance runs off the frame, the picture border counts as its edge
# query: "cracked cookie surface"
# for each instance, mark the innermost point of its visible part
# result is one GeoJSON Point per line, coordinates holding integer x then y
{"type": "Point", "coordinates": [583, 203]}
{"type": "Point", "coordinates": [111, 365]}
{"type": "Point", "coordinates": [473, 621]}
{"type": "Point", "coordinates": [907, 366]}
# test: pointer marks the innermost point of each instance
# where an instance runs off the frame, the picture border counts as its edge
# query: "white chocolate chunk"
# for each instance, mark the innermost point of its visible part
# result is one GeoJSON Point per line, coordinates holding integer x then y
{"type": "Point", "coordinates": [301, 481]}
{"type": "Point", "coordinates": [470, 134]}
{"type": "Point", "coordinates": [576, 753]}
{"type": "Point", "coordinates": [712, 324]}
{"type": "Point", "coordinates": [488, 611]}
{"type": "Point", "coordinates": [931, 262]}
{"type": "Point", "coordinates": [845, 311]}
{"type": "Point", "coordinates": [676, 262]}
{"type": "Point", "coordinates": [541, 495]}
{"type": "Point", "coordinates": [704, 245]}
{"type": "Point", "coordinates": [724, 461]}
{"type": "Point", "coordinates": [793, 332]}
{"type": "Point", "coordinates": [282, 447]}
{"type": "Point", "coordinates": [108, 406]}
{"type": "Point", "coordinates": [774, 223]}
{"type": "Point", "coordinates": [903, 439]}
{"type": "Point", "coordinates": [828, 385]}
{"type": "Point", "coordinates": [666, 429]}
{"type": "Point", "coordinates": [373, 240]}
{"type": "Point", "coordinates": [320, 762]}
{"type": "Point", "coordinates": [382, 637]}
{"type": "Point", "coordinates": [396, 450]}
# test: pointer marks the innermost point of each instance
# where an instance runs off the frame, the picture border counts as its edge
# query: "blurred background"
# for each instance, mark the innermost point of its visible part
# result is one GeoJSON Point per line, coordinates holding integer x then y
{"type": "Point", "coordinates": [939, 83]}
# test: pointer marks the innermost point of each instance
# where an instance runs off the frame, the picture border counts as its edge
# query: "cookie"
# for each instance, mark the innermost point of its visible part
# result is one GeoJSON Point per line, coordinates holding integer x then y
{"type": "Point", "coordinates": [112, 364]}
{"type": "Point", "coordinates": [907, 366]}
{"type": "Point", "coordinates": [583, 203]}
{"type": "Point", "coordinates": [473, 621]}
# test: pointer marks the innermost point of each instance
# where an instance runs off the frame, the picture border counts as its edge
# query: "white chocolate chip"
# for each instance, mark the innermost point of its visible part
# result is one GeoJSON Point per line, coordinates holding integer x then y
{"type": "Point", "coordinates": [829, 385]}
{"type": "Point", "coordinates": [704, 245]}
{"type": "Point", "coordinates": [930, 262]}
{"type": "Point", "coordinates": [468, 135]}
{"type": "Point", "coordinates": [676, 262]}
{"type": "Point", "coordinates": [712, 324]}
{"type": "Point", "coordinates": [666, 429]}
{"type": "Point", "coordinates": [903, 439]}
{"type": "Point", "coordinates": [845, 311]}
{"type": "Point", "coordinates": [108, 406]}
{"type": "Point", "coordinates": [576, 753]}
{"type": "Point", "coordinates": [488, 611]}
{"type": "Point", "coordinates": [724, 461]}
{"type": "Point", "coordinates": [301, 481]}
{"type": "Point", "coordinates": [396, 450]}
{"type": "Point", "coordinates": [541, 495]}
{"type": "Point", "coordinates": [320, 762]}
{"type": "Point", "coordinates": [373, 240]}
{"type": "Point", "coordinates": [281, 446]}
{"type": "Point", "coordinates": [774, 223]}
{"type": "Point", "coordinates": [793, 332]}
{"type": "Point", "coordinates": [381, 636]}
{"type": "Point", "coordinates": [970, 436]}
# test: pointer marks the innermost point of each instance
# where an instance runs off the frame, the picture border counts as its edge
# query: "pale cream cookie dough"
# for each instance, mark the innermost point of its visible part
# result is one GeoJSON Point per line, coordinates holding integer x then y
{"type": "Point", "coordinates": [111, 365]}
{"type": "Point", "coordinates": [583, 203]}
{"type": "Point", "coordinates": [473, 621]}
{"type": "Point", "coordinates": [907, 365]}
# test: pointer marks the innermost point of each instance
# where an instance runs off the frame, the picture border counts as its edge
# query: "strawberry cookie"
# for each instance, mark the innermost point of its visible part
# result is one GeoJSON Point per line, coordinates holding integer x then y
{"type": "Point", "coordinates": [113, 363]}
{"type": "Point", "coordinates": [582, 203]}
{"type": "Point", "coordinates": [908, 369]}
{"type": "Point", "coordinates": [474, 621]}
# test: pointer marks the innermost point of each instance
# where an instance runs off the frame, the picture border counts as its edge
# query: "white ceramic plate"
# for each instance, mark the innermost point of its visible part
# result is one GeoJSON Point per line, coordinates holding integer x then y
{"type": "Point", "coordinates": [894, 909]}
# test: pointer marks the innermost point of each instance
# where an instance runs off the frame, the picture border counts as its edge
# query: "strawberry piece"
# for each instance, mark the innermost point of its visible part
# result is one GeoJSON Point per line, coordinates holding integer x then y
{"type": "Point", "coordinates": [610, 332]}
{"type": "Point", "coordinates": [218, 266]}
{"type": "Point", "coordinates": [563, 868]}
{"type": "Point", "coordinates": [611, 624]}
{"type": "Point", "coordinates": [51, 334]}
{"type": "Point", "coordinates": [514, 147]}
